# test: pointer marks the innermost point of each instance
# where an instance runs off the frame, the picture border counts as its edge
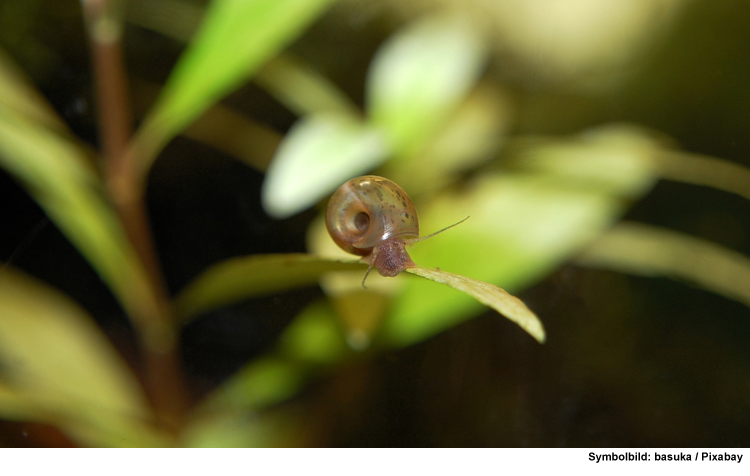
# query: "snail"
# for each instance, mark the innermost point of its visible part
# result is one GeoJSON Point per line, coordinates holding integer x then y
{"type": "Point", "coordinates": [374, 218]}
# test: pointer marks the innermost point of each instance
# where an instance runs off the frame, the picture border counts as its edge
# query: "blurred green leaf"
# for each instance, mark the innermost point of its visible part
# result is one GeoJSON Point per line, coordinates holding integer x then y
{"type": "Point", "coordinates": [237, 413]}
{"type": "Point", "coordinates": [263, 382]}
{"type": "Point", "coordinates": [56, 367]}
{"type": "Point", "coordinates": [236, 135]}
{"type": "Point", "coordinates": [17, 95]}
{"type": "Point", "coordinates": [316, 157]}
{"type": "Point", "coordinates": [252, 276]}
{"type": "Point", "coordinates": [650, 251]}
{"type": "Point", "coordinates": [54, 171]}
{"type": "Point", "coordinates": [419, 76]}
{"type": "Point", "coordinates": [360, 312]}
{"type": "Point", "coordinates": [470, 136]}
{"type": "Point", "coordinates": [235, 39]}
{"type": "Point", "coordinates": [522, 226]}
{"type": "Point", "coordinates": [704, 170]}
{"type": "Point", "coordinates": [488, 294]}
{"type": "Point", "coordinates": [301, 89]}
{"type": "Point", "coordinates": [222, 128]}
{"type": "Point", "coordinates": [416, 81]}
{"type": "Point", "coordinates": [293, 82]}
{"type": "Point", "coordinates": [236, 429]}
{"type": "Point", "coordinates": [313, 339]}
{"type": "Point", "coordinates": [616, 160]}
{"type": "Point", "coordinates": [173, 18]}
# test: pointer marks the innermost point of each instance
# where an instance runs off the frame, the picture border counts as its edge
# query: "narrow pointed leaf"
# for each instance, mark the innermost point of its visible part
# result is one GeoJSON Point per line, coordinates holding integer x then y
{"type": "Point", "coordinates": [301, 89]}
{"type": "Point", "coordinates": [252, 276]}
{"type": "Point", "coordinates": [55, 172]}
{"type": "Point", "coordinates": [236, 38]}
{"type": "Point", "coordinates": [650, 251]}
{"type": "Point", "coordinates": [488, 294]}
{"type": "Point", "coordinates": [17, 94]}
{"type": "Point", "coordinates": [704, 170]}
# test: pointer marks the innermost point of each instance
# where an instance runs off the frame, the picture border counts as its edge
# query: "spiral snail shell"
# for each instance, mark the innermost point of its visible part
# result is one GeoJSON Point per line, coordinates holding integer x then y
{"type": "Point", "coordinates": [373, 217]}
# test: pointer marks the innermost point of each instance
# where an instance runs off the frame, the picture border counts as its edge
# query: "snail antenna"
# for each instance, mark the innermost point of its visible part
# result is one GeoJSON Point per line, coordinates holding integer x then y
{"type": "Point", "coordinates": [437, 232]}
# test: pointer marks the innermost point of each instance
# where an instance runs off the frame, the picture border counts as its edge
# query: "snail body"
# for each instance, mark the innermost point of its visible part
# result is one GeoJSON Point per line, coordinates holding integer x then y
{"type": "Point", "coordinates": [374, 218]}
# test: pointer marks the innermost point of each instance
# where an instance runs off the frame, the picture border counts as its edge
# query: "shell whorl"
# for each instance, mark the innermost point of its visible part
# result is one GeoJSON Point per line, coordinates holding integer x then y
{"type": "Point", "coordinates": [368, 210]}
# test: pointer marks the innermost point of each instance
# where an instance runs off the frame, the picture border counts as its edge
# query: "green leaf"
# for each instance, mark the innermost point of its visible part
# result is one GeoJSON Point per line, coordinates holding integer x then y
{"type": "Point", "coordinates": [17, 95]}
{"type": "Point", "coordinates": [316, 157]}
{"type": "Point", "coordinates": [615, 160]}
{"type": "Point", "coordinates": [471, 135]}
{"type": "Point", "coordinates": [312, 339]}
{"type": "Point", "coordinates": [261, 383]}
{"type": "Point", "coordinates": [236, 429]}
{"type": "Point", "coordinates": [419, 76]}
{"type": "Point", "coordinates": [488, 294]}
{"type": "Point", "coordinates": [301, 89]}
{"type": "Point", "coordinates": [231, 415]}
{"type": "Point", "coordinates": [522, 225]}
{"type": "Point", "coordinates": [55, 172]}
{"type": "Point", "coordinates": [176, 19]}
{"type": "Point", "coordinates": [704, 170]}
{"type": "Point", "coordinates": [251, 276]}
{"type": "Point", "coordinates": [650, 251]}
{"type": "Point", "coordinates": [315, 341]}
{"type": "Point", "coordinates": [57, 367]}
{"type": "Point", "coordinates": [235, 39]}
{"type": "Point", "coordinates": [235, 135]}
{"type": "Point", "coordinates": [416, 81]}
{"type": "Point", "coordinates": [315, 337]}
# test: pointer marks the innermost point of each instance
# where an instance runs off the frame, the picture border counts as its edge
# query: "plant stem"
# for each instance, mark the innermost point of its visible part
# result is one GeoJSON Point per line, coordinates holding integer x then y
{"type": "Point", "coordinates": [158, 340]}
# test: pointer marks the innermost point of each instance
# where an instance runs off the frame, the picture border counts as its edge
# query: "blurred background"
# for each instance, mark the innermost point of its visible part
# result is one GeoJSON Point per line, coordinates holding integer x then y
{"type": "Point", "coordinates": [629, 361]}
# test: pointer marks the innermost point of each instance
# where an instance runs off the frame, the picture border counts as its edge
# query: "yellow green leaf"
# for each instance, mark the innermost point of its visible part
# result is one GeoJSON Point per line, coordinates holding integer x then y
{"type": "Point", "coordinates": [488, 294]}
{"type": "Point", "coordinates": [313, 339]}
{"type": "Point", "coordinates": [230, 428]}
{"type": "Point", "coordinates": [57, 367]}
{"type": "Point", "coordinates": [651, 251]}
{"type": "Point", "coordinates": [523, 223]}
{"type": "Point", "coordinates": [17, 94]}
{"type": "Point", "coordinates": [55, 172]}
{"type": "Point", "coordinates": [252, 276]}
{"type": "Point", "coordinates": [704, 170]}
{"type": "Point", "coordinates": [301, 89]}
{"type": "Point", "coordinates": [420, 75]}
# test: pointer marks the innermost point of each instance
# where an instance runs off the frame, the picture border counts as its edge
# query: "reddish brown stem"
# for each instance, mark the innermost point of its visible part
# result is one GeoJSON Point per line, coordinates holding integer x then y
{"type": "Point", "coordinates": [159, 344]}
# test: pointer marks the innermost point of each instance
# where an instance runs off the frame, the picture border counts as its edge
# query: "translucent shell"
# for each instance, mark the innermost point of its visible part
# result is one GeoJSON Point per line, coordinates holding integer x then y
{"type": "Point", "coordinates": [368, 210]}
